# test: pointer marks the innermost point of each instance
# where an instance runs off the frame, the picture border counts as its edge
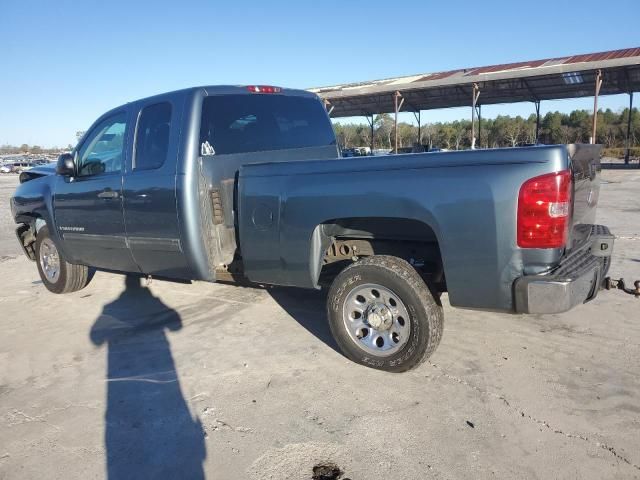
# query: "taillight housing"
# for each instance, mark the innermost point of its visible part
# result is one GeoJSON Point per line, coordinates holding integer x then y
{"type": "Point", "coordinates": [544, 211]}
{"type": "Point", "coordinates": [263, 89]}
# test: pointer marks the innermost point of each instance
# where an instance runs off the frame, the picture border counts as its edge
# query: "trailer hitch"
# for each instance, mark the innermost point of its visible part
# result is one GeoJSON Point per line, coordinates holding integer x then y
{"type": "Point", "coordinates": [612, 284]}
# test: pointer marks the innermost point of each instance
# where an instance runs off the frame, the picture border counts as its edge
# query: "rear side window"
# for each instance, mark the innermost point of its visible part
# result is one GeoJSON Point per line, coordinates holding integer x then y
{"type": "Point", "coordinates": [259, 122]}
{"type": "Point", "coordinates": [152, 136]}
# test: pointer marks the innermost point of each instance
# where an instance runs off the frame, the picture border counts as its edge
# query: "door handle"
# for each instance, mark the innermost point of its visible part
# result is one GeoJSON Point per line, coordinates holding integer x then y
{"type": "Point", "coordinates": [108, 194]}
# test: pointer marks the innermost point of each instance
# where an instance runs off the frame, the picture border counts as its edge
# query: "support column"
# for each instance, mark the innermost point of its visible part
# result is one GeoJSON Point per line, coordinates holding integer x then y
{"type": "Point", "coordinates": [479, 112]}
{"type": "Point", "coordinates": [373, 143]}
{"type": "Point", "coordinates": [328, 106]}
{"type": "Point", "coordinates": [626, 154]}
{"type": "Point", "coordinates": [595, 105]}
{"type": "Point", "coordinates": [537, 104]}
{"type": "Point", "coordinates": [398, 100]}
{"type": "Point", "coordinates": [370, 122]}
{"type": "Point", "coordinates": [417, 115]}
{"type": "Point", "coordinates": [476, 94]}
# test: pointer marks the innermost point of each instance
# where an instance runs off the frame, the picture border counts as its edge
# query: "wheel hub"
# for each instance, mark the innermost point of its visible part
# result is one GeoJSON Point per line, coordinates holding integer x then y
{"type": "Point", "coordinates": [379, 316]}
{"type": "Point", "coordinates": [376, 319]}
{"type": "Point", "coordinates": [50, 260]}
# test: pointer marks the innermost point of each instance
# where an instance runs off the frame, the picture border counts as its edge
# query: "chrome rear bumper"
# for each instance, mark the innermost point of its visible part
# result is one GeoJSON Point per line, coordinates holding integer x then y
{"type": "Point", "coordinates": [575, 280]}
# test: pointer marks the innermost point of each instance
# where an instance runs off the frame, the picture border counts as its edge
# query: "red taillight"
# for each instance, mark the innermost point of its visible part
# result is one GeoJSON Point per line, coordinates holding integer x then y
{"type": "Point", "coordinates": [544, 208]}
{"type": "Point", "coordinates": [263, 89]}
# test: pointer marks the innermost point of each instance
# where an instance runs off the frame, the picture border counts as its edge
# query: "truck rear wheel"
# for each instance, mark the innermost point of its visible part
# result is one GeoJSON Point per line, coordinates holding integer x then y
{"type": "Point", "coordinates": [58, 275]}
{"type": "Point", "coordinates": [383, 315]}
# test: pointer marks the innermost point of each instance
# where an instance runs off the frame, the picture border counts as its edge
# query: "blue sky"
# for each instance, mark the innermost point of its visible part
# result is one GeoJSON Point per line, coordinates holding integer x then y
{"type": "Point", "coordinates": [64, 63]}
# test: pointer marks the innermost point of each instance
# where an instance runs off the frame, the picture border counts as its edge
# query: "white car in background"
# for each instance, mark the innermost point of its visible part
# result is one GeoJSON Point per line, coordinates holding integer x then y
{"type": "Point", "coordinates": [16, 167]}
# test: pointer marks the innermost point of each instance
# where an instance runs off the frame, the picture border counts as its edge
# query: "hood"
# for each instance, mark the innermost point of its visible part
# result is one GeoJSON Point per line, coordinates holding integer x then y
{"type": "Point", "coordinates": [37, 172]}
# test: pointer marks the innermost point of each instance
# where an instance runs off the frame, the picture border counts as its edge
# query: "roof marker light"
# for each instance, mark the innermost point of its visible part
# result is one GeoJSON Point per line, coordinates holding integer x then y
{"type": "Point", "coordinates": [263, 89]}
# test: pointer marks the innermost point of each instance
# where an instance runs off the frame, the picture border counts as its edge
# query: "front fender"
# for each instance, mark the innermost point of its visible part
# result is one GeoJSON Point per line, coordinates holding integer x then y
{"type": "Point", "coordinates": [32, 204]}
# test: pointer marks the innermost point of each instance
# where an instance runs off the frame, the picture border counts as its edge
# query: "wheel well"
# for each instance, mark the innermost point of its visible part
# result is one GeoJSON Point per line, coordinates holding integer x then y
{"type": "Point", "coordinates": [27, 232]}
{"type": "Point", "coordinates": [346, 240]}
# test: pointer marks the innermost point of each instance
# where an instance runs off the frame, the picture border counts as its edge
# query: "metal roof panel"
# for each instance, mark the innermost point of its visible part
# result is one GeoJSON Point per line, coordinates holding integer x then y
{"type": "Point", "coordinates": [544, 79]}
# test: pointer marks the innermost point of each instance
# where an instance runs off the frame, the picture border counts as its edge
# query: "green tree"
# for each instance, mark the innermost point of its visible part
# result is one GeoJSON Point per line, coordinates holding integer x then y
{"type": "Point", "coordinates": [446, 133]}
{"type": "Point", "coordinates": [383, 125]}
{"type": "Point", "coordinates": [552, 127]}
{"type": "Point", "coordinates": [503, 131]}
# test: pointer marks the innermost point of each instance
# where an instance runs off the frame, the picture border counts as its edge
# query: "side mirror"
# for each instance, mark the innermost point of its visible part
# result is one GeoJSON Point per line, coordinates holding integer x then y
{"type": "Point", "coordinates": [66, 165]}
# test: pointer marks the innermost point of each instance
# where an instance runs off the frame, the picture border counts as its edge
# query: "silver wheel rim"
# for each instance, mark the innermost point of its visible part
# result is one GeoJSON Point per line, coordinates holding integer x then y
{"type": "Point", "coordinates": [50, 260]}
{"type": "Point", "coordinates": [376, 319]}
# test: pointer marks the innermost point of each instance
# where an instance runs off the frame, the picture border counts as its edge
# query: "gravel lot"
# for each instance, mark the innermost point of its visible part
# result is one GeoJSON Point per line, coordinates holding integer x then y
{"type": "Point", "coordinates": [9, 247]}
{"type": "Point", "coordinates": [233, 382]}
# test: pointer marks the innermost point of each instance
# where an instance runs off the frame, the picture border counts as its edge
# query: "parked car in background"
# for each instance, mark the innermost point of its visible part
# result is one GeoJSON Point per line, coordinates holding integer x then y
{"type": "Point", "coordinates": [348, 152]}
{"type": "Point", "coordinates": [381, 151]}
{"type": "Point", "coordinates": [356, 152]}
{"type": "Point", "coordinates": [16, 167]}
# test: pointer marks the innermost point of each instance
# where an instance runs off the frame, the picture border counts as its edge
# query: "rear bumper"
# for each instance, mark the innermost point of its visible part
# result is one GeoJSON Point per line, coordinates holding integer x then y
{"type": "Point", "coordinates": [575, 280]}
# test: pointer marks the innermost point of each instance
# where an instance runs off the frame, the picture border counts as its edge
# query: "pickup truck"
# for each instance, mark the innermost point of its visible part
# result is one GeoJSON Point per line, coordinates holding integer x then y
{"type": "Point", "coordinates": [246, 183]}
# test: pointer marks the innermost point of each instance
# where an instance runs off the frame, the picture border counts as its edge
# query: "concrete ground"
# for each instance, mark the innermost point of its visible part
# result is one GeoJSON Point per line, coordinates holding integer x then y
{"type": "Point", "coordinates": [178, 381]}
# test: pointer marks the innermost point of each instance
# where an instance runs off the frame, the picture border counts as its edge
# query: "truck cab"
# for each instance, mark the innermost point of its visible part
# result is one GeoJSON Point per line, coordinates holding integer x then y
{"type": "Point", "coordinates": [133, 199]}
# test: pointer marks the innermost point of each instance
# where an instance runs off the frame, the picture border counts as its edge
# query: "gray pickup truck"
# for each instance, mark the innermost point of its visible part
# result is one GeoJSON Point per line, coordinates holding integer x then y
{"type": "Point", "coordinates": [231, 183]}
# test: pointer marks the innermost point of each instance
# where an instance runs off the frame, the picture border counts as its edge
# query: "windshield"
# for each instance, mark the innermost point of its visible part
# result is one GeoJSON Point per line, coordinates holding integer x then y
{"type": "Point", "coordinates": [254, 122]}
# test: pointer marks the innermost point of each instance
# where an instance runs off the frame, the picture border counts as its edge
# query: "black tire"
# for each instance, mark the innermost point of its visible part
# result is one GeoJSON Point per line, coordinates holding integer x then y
{"type": "Point", "coordinates": [398, 277]}
{"type": "Point", "coordinates": [71, 277]}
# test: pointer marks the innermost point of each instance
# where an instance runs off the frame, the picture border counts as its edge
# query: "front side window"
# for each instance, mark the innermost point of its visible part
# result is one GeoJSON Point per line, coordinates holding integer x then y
{"type": "Point", "coordinates": [152, 136]}
{"type": "Point", "coordinates": [103, 150]}
{"type": "Point", "coordinates": [244, 123]}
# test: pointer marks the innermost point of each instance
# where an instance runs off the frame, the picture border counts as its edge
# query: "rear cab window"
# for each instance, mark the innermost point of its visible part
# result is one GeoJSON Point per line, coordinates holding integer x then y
{"type": "Point", "coordinates": [152, 136]}
{"type": "Point", "coordinates": [243, 123]}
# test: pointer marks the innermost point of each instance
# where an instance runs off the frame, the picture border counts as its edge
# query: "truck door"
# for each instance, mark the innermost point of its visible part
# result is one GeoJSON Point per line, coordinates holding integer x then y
{"type": "Point", "coordinates": [150, 209]}
{"type": "Point", "coordinates": [88, 207]}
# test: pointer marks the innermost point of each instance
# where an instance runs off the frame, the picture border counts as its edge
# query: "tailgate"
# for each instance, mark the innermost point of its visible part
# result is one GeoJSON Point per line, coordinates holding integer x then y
{"type": "Point", "coordinates": [585, 164]}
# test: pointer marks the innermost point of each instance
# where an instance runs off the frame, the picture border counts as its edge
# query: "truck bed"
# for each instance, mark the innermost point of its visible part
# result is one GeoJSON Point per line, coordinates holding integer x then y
{"type": "Point", "coordinates": [464, 202]}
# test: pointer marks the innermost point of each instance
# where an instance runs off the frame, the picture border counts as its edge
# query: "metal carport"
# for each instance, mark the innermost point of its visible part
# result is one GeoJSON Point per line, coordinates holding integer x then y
{"type": "Point", "coordinates": [593, 74]}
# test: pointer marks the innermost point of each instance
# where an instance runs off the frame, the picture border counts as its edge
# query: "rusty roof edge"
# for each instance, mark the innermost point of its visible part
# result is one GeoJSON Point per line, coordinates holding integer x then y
{"type": "Point", "coordinates": [377, 86]}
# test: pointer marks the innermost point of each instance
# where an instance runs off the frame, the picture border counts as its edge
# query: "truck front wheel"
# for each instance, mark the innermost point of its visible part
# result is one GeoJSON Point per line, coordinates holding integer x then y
{"type": "Point", "coordinates": [383, 315]}
{"type": "Point", "coordinates": [58, 275]}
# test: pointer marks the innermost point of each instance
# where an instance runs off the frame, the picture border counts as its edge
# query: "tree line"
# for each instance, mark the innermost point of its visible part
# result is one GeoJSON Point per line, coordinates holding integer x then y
{"type": "Point", "coordinates": [32, 149]}
{"type": "Point", "coordinates": [502, 131]}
